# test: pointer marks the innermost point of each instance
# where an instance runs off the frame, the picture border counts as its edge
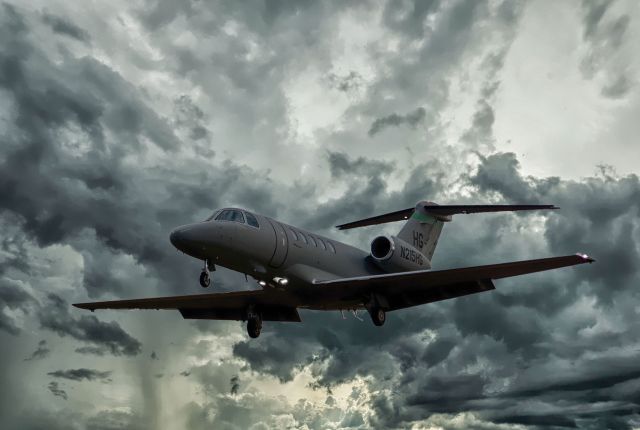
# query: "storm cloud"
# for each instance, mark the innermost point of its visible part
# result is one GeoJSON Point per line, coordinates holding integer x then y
{"type": "Point", "coordinates": [411, 119]}
{"type": "Point", "coordinates": [81, 374]}
{"type": "Point", "coordinates": [101, 337]}
{"type": "Point", "coordinates": [118, 124]}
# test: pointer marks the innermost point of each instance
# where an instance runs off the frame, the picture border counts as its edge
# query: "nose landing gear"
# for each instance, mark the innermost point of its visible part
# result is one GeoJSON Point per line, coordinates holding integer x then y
{"type": "Point", "coordinates": [205, 279]}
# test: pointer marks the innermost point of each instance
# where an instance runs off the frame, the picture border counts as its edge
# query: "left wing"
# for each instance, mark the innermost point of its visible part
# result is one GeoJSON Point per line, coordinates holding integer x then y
{"type": "Point", "coordinates": [405, 289]}
{"type": "Point", "coordinates": [219, 306]}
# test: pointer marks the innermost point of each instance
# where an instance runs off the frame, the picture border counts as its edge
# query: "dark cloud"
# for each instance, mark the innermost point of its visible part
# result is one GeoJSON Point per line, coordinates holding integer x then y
{"type": "Point", "coordinates": [55, 389]}
{"type": "Point", "coordinates": [411, 119]}
{"type": "Point", "coordinates": [42, 351]}
{"type": "Point", "coordinates": [617, 88]}
{"type": "Point", "coordinates": [103, 338]}
{"type": "Point", "coordinates": [342, 165]}
{"type": "Point", "coordinates": [604, 33]}
{"type": "Point", "coordinates": [13, 297]}
{"type": "Point", "coordinates": [62, 26]}
{"type": "Point", "coordinates": [273, 357]}
{"type": "Point", "coordinates": [235, 384]}
{"type": "Point", "coordinates": [82, 375]}
{"type": "Point", "coordinates": [96, 164]}
{"type": "Point", "coordinates": [408, 17]}
{"type": "Point", "coordinates": [350, 82]}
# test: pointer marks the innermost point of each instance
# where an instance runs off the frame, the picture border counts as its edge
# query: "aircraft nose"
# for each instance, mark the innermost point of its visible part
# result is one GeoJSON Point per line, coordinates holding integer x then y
{"type": "Point", "coordinates": [182, 237]}
{"type": "Point", "coordinates": [175, 238]}
{"type": "Point", "coordinates": [192, 239]}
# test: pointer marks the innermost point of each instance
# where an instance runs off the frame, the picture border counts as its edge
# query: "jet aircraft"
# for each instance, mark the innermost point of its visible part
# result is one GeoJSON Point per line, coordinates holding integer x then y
{"type": "Point", "coordinates": [298, 269]}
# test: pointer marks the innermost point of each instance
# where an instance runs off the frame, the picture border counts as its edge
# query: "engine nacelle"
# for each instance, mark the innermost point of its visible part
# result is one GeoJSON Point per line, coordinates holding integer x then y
{"type": "Point", "coordinates": [395, 255]}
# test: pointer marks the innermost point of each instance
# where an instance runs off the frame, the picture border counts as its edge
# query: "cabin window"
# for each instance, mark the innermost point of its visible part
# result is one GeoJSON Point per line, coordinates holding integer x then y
{"type": "Point", "coordinates": [231, 215]}
{"type": "Point", "coordinates": [331, 247]}
{"type": "Point", "coordinates": [252, 220]}
{"type": "Point", "coordinates": [304, 237]}
{"type": "Point", "coordinates": [294, 234]}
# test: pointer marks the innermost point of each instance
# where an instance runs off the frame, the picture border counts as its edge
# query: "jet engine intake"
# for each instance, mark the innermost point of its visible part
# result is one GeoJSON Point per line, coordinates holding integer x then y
{"type": "Point", "coordinates": [395, 255]}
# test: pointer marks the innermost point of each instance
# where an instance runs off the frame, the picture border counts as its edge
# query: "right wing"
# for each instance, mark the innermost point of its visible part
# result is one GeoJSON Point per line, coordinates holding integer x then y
{"type": "Point", "coordinates": [405, 289]}
{"type": "Point", "coordinates": [218, 306]}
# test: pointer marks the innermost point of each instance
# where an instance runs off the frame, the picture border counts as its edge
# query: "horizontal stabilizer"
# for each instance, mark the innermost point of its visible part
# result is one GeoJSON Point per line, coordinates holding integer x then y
{"type": "Point", "coordinates": [440, 210]}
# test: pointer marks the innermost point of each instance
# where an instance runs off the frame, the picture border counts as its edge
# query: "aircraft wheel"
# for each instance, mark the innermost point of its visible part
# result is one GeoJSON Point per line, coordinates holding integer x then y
{"type": "Point", "coordinates": [254, 326]}
{"type": "Point", "coordinates": [378, 316]}
{"type": "Point", "coordinates": [205, 280]}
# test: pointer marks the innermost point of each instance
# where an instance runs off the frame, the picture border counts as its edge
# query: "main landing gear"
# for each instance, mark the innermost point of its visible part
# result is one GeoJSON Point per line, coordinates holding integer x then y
{"type": "Point", "coordinates": [378, 315]}
{"type": "Point", "coordinates": [254, 324]}
{"type": "Point", "coordinates": [205, 279]}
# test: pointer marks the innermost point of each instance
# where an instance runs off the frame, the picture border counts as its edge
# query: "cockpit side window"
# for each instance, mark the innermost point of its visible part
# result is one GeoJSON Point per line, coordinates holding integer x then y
{"type": "Point", "coordinates": [224, 216]}
{"type": "Point", "coordinates": [231, 215]}
{"type": "Point", "coordinates": [213, 215]}
{"type": "Point", "coordinates": [251, 220]}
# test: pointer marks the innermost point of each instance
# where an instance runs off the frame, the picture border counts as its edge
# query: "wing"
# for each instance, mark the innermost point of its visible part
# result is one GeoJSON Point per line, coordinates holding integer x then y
{"type": "Point", "coordinates": [443, 210]}
{"type": "Point", "coordinates": [220, 306]}
{"type": "Point", "coordinates": [401, 290]}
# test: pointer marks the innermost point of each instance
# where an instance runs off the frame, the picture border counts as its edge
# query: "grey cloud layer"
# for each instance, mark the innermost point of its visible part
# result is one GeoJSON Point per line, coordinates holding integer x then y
{"type": "Point", "coordinates": [97, 163]}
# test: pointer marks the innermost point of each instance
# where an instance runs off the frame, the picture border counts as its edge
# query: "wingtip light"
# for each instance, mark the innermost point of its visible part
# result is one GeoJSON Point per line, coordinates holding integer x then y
{"type": "Point", "coordinates": [585, 257]}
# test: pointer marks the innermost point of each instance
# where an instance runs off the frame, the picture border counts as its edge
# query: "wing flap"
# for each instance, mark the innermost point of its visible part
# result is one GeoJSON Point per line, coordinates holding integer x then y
{"type": "Point", "coordinates": [268, 313]}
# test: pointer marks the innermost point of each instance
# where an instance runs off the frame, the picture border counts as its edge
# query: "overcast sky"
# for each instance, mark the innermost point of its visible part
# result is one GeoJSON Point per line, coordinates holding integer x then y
{"type": "Point", "coordinates": [120, 120]}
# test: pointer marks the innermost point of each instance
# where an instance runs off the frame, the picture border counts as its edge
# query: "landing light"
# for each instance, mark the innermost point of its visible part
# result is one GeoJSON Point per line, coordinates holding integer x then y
{"type": "Point", "coordinates": [281, 281]}
{"type": "Point", "coordinates": [262, 283]}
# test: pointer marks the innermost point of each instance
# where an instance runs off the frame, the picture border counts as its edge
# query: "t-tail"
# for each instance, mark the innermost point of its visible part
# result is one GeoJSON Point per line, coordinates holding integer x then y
{"type": "Point", "coordinates": [415, 244]}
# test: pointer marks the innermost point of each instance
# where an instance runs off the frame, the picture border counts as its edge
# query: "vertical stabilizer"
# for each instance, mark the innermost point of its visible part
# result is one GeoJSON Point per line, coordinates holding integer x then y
{"type": "Point", "coordinates": [422, 229]}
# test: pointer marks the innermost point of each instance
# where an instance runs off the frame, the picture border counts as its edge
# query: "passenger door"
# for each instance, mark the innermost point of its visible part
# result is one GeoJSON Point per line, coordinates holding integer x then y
{"type": "Point", "coordinates": [282, 245]}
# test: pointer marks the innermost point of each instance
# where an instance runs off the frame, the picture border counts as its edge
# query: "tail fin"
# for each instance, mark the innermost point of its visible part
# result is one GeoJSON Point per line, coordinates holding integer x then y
{"type": "Point", "coordinates": [423, 229]}
{"type": "Point", "coordinates": [425, 221]}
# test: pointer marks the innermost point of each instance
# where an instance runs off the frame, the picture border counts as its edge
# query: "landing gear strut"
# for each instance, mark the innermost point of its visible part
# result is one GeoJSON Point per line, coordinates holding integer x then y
{"type": "Point", "coordinates": [205, 279]}
{"type": "Point", "coordinates": [378, 315]}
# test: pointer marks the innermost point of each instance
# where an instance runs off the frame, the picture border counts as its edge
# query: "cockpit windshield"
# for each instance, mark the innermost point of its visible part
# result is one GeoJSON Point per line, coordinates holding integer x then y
{"type": "Point", "coordinates": [231, 215]}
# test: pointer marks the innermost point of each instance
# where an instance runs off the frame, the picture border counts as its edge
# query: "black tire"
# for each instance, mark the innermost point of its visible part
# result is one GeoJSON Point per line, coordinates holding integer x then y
{"type": "Point", "coordinates": [254, 326]}
{"type": "Point", "coordinates": [205, 280]}
{"type": "Point", "coordinates": [378, 316]}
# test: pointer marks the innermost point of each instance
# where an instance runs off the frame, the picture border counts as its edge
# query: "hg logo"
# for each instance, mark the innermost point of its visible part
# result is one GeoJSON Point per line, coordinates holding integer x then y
{"type": "Point", "coordinates": [418, 240]}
